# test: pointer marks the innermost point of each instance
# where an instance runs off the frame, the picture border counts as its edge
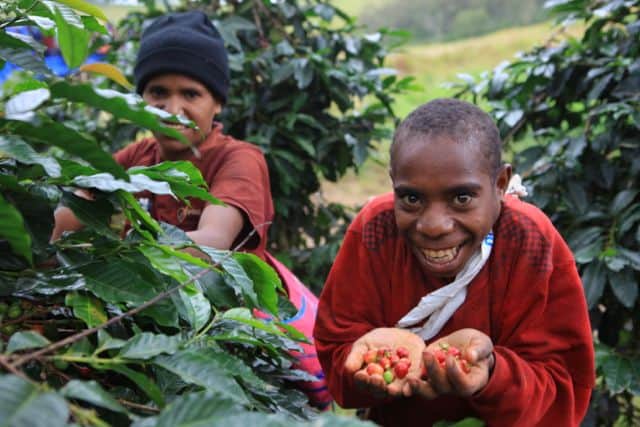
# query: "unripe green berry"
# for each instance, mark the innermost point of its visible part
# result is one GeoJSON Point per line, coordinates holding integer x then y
{"type": "Point", "coordinates": [14, 312]}
{"type": "Point", "coordinates": [61, 364]}
{"type": "Point", "coordinates": [388, 376]}
{"type": "Point", "coordinates": [3, 307]}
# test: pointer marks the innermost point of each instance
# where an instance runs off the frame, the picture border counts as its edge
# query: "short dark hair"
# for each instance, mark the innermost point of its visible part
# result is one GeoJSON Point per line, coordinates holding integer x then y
{"type": "Point", "coordinates": [462, 121]}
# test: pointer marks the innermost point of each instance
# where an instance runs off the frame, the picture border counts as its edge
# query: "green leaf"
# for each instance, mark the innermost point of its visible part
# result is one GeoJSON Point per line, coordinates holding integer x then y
{"type": "Point", "coordinates": [147, 345]}
{"type": "Point", "coordinates": [56, 134]}
{"type": "Point", "coordinates": [86, 308]}
{"type": "Point", "coordinates": [193, 306]}
{"type": "Point", "coordinates": [85, 7]}
{"type": "Point", "coordinates": [107, 342]}
{"type": "Point", "coordinates": [594, 279]}
{"type": "Point", "coordinates": [26, 339]}
{"type": "Point", "coordinates": [73, 40]}
{"type": "Point", "coordinates": [117, 282]}
{"type": "Point", "coordinates": [622, 200]}
{"type": "Point", "coordinates": [143, 381]}
{"type": "Point", "coordinates": [124, 106]}
{"type": "Point", "coordinates": [22, 152]}
{"type": "Point", "coordinates": [265, 280]}
{"type": "Point", "coordinates": [95, 214]}
{"type": "Point", "coordinates": [12, 228]}
{"type": "Point", "coordinates": [241, 282]}
{"type": "Point", "coordinates": [22, 404]}
{"type": "Point", "coordinates": [204, 368]}
{"type": "Point", "coordinates": [618, 373]}
{"type": "Point", "coordinates": [21, 106]}
{"type": "Point", "coordinates": [137, 216]}
{"type": "Point", "coordinates": [624, 287]}
{"type": "Point", "coordinates": [243, 315]}
{"type": "Point", "coordinates": [197, 409]}
{"type": "Point", "coordinates": [92, 392]}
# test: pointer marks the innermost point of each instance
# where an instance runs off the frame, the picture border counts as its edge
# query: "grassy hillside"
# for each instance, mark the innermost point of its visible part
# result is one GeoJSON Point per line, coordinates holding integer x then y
{"type": "Point", "coordinates": [433, 65]}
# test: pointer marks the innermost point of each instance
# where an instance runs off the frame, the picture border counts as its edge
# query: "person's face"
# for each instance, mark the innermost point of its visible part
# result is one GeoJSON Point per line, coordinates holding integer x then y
{"type": "Point", "coordinates": [181, 95]}
{"type": "Point", "coordinates": [445, 201]}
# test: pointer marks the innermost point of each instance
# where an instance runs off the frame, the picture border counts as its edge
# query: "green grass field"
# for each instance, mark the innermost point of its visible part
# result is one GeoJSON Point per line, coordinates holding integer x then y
{"type": "Point", "coordinates": [433, 65]}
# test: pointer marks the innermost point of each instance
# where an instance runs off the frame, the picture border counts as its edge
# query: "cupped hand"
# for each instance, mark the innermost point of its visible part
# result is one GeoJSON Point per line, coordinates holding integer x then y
{"type": "Point", "coordinates": [475, 347]}
{"type": "Point", "coordinates": [382, 338]}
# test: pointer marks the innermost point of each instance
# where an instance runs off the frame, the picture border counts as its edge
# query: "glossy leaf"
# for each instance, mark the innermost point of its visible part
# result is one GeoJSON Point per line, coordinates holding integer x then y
{"type": "Point", "coordinates": [22, 152]}
{"type": "Point", "coordinates": [240, 279]}
{"type": "Point", "coordinates": [12, 229]}
{"type": "Point", "coordinates": [117, 282]}
{"type": "Point", "coordinates": [73, 40]}
{"type": "Point", "coordinates": [197, 409]}
{"type": "Point", "coordinates": [26, 339]}
{"type": "Point", "coordinates": [206, 369]}
{"type": "Point", "coordinates": [91, 392]}
{"type": "Point", "coordinates": [265, 280]}
{"type": "Point", "coordinates": [125, 106]}
{"type": "Point", "coordinates": [87, 308]}
{"type": "Point", "coordinates": [147, 345]}
{"type": "Point", "coordinates": [624, 287]}
{"type": "Point", "coordinates": [85, 7]}
{"type": "Point", "coordinates": [56, 134]}
{"type": "Point", "coordinates": [24, 405]}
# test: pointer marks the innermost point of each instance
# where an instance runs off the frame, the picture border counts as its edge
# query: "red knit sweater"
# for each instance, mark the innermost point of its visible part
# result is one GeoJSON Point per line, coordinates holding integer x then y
{"type": "Point", "coordinates": [528, 299]}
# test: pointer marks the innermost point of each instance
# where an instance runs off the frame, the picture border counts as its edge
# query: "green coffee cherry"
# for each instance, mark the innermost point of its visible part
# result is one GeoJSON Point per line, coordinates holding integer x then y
{"type": "Point", "coordinates": [61, 364]}
{"type": "Point", "coordinates": [14, 311]}
{"type": "Point", "coordinates": [8, 329]}
{"type": "Point", "coordinates": [3, 307]}
{"type": "Point", "coordinates": [388, 376]}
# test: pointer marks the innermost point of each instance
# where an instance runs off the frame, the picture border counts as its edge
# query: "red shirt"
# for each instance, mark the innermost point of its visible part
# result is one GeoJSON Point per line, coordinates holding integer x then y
{"type": "Point", "coordinates": [236, 173]}
{"type": "Point", "coordinates": [528, 299]}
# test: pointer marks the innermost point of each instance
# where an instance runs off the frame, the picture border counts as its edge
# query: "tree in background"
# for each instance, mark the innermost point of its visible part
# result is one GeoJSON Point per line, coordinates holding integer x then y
{"type": "Point", "coordinates": [311, 91]}
{"type": "Point", "coordinates": [571, 111]}
{"type": "Point", "coordinates": [115, 326]}
{"type": "Point", "coordinates": [436, 20]}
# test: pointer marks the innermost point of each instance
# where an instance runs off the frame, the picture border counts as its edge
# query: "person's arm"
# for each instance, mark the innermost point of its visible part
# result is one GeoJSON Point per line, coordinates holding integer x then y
{"type": "Point", "coordinates": [544, 359]}
{"type": "Point", "coordinates": [218, 227]}
{"type": "Point", "coordinates": [65, 219]}
{"type": "Point", "coordinates": [351, 305]}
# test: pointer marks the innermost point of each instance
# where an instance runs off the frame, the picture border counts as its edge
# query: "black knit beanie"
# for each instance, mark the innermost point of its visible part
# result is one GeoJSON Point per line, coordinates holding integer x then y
{"type": "Point", "coordinates": [184, 43]}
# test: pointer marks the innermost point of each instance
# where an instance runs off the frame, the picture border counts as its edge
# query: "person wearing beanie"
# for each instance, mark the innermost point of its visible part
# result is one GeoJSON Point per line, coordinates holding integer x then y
{"type": "Point", "coordinates": [182, 68]}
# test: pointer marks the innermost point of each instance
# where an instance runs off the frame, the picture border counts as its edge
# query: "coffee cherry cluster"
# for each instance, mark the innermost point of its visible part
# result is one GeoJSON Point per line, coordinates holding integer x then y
{"type": "Point", "coordinates": [388, 363]}
{"type": "Point", "coordinates": [447, 349]}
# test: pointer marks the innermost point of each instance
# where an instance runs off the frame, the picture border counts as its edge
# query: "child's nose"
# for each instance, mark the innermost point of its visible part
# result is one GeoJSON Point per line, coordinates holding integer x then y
{"type": "Point", "coordinates": [435, 222]}
{"type": "Point", "coordinates": [171, 105]}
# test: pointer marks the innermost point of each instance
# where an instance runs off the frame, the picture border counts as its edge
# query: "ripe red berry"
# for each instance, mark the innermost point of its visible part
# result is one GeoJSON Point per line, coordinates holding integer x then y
{"type": "Point", "coordinates": [394, 359]}
{"type": "Point", "coordinates": [441, 357]}
{"type": "Point", "coordinates": [401, 369]}
{"type": "Point", "coordinates": [374, 368]}
{"type": "Point", "coordinates": [402, 352]}
{"type": "Point", "coordinates": [453, 351]}
{"type": "Point", "coordinates": [385, 362]}
{"type": "Point", "coordinates": [370, 356]}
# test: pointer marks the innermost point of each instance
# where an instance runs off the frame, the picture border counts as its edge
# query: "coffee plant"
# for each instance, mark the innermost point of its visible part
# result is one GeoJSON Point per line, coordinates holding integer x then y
{"type": "Point", "coordinates": [116, 324]}
{"type": "Point", "coordinates": [571, 112]}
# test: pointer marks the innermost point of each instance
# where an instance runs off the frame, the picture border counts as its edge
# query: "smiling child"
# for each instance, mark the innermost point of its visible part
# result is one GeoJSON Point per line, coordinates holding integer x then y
{"type": "Point", "coordinates": [449, 257]}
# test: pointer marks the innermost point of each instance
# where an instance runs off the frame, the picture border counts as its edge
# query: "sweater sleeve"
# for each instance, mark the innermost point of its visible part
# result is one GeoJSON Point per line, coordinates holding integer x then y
{"type": "Point", "coordinates": [545, 366]}
{"type": "Point", "coordinates": [349, 307]}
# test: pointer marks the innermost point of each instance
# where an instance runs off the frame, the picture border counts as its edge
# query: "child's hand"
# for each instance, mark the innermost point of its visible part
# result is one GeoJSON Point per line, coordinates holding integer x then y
{"type": "Point", "coordinates": [385, 338]}
{"type": "Point", "coordinates": [463, 376]}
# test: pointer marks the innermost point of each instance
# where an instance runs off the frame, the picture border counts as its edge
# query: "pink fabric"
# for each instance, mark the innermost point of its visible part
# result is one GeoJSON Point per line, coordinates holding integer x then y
{"type": "Point", "coordinates": [304, 320]}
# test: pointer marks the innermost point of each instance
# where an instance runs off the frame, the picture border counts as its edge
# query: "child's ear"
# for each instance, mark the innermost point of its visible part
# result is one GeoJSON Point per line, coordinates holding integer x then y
{"type": "Point", "coordinates": [503, 178]}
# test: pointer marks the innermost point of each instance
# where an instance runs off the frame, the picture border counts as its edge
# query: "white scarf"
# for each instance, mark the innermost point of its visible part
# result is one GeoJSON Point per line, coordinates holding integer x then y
{"type": "Point", "coordinates": [440, 304]}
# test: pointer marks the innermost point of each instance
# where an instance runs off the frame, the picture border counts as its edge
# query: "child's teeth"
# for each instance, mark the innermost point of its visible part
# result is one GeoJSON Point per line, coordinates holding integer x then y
{"type": "Point", "coordinates": [441, 255]}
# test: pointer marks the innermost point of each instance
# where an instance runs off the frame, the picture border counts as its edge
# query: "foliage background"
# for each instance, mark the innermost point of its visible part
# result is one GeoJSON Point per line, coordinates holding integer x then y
{"type": "Point", "coordinates": [571, 112]}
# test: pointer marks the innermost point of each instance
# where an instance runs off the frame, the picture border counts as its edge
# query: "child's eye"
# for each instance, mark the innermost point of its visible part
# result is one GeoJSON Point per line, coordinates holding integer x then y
{"type": "Point", "coordinates": [462, 199]}
{"type": "Point", "coordinates": [191, 94]}
{"type": "Point", "coordinates": [410, 199]}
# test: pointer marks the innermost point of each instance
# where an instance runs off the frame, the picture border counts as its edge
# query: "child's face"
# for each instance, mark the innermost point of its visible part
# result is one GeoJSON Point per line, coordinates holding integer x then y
{"type": "Point", "coordinates": [445, 201]}
{"type": "Point", "coordinates": [181, 95]}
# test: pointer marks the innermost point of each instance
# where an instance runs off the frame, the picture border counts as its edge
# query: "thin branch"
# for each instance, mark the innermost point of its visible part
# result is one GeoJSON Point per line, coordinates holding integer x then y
{"type": "Point", "coordinates": [139, 406]}
{"type": "Point", "coordinates": [76, 337]}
